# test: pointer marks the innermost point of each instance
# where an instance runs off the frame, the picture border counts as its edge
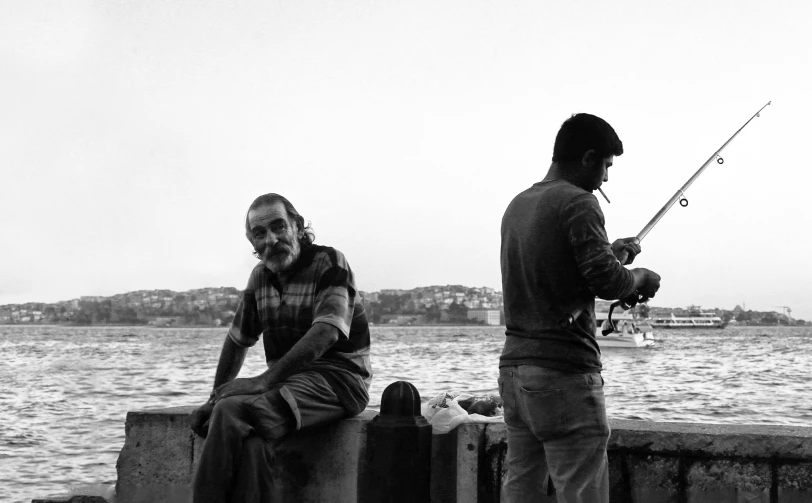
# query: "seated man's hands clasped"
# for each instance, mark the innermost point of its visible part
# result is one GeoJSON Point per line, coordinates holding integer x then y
{"type": "Point", "coordinates": [241, 386]}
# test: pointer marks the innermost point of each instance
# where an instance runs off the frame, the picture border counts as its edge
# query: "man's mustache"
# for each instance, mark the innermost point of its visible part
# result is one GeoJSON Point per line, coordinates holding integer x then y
{"type": "Point", "coordinates": [277, 249]}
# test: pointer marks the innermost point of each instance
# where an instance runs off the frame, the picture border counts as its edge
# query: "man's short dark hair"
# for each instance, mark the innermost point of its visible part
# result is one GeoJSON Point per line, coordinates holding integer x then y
{"type": "Point", "coordinates": [583, 132]}
{"type": "Point", "coordinates": [308, 236]}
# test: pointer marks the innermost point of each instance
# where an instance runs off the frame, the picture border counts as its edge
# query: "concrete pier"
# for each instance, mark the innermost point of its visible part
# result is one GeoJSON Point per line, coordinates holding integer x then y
{"type": "Point", "coordinates": [649, 462]}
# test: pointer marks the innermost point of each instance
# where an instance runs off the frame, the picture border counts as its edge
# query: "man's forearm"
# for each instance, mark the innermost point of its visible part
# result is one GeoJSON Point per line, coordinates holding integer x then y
{"type": "Point", "coordinates": [231, 359]}
{"type": "Point", "coordinates": [315, 343]}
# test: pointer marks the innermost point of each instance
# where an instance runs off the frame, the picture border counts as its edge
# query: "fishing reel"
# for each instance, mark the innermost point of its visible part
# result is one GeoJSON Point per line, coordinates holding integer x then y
{"type": "Point", "coordinates": [625, 304]}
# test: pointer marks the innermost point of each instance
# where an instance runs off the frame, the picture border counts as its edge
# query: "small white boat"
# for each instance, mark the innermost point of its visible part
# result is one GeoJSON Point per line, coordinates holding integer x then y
{"type": "Point", "coordinates": [631, 332]}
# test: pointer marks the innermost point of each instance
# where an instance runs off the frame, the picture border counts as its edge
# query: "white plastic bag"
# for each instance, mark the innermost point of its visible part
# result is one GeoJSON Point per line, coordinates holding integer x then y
{"type": "Point", "coordinates": [444, 413]}
{"type": "Point", "coordinates": [448, 418]}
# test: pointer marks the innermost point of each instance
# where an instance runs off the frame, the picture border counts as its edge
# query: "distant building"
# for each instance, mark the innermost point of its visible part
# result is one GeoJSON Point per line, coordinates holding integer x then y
{"type": "Point", "coordinates": [394, 292]}
{"type": "Point", "coordinates": [370, 296]}
{"type": "Point", "coordinates": [487, 316]}
{"type": "Point", "coordinates": [401, 319]}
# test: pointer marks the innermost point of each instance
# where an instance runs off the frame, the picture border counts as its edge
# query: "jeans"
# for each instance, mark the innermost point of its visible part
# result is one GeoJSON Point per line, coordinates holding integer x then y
{"type": "Point", "coordinates": [557, 427]}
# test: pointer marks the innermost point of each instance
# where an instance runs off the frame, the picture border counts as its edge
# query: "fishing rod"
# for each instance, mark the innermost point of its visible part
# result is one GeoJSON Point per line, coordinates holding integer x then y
{"type": "Point", "coordinates": [635, 298]}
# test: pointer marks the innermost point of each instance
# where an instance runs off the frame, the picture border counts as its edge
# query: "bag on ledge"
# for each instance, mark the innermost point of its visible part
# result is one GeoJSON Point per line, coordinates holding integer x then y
{"type": "Point", "coordinates": [448, 410]}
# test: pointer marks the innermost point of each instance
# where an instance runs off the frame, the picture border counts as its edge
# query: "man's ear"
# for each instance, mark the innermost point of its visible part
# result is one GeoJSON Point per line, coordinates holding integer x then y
{"type": "Point", "coordinates": [588, 158]}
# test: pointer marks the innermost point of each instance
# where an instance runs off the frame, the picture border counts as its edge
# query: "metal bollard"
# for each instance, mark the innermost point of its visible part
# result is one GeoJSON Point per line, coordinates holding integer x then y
{"type": "Point", "coordinates": [398, 451]}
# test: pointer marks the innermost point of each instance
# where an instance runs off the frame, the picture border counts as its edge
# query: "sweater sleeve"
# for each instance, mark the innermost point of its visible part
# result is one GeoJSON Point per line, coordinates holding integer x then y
{"type": "Point", "coordinates": [584, 224]}
{"type": "Point", "coordinates": [335, 293]}
{"type": "Point", "coordinates": [246, 327]}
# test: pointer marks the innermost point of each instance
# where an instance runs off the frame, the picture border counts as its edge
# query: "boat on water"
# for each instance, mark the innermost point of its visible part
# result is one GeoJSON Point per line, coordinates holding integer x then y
{"type": "Point", "coordinates": [631, 332]}
{"type": "Point", "coordinates": [696, 319]}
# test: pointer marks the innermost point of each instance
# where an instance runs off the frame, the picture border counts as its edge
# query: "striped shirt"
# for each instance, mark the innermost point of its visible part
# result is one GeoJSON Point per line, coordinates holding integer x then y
{"type": "Point", "coordinates": [320, 288]}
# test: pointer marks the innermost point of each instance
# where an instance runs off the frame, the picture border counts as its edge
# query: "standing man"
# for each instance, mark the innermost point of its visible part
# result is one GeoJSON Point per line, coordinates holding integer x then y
{"type": "Point", "coordinates": [555, 256]}
{"type": "Point", "coordinates": [303, 300]}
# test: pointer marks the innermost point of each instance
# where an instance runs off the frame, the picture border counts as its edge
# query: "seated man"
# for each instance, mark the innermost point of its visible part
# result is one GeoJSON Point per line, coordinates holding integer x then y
{"type": "Point", "coordinates": [302, 298]}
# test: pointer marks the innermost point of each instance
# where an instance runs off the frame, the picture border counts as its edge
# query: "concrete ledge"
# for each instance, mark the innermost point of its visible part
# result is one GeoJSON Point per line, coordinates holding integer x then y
{"type": "Point", "coordinates": [649, 462]}
{"type": "Point", "coordinates": [712, 440]}
{"type": "Point", "coordinates": [684, 462]}
{"type": "Point", "coordinates": [157, 462]}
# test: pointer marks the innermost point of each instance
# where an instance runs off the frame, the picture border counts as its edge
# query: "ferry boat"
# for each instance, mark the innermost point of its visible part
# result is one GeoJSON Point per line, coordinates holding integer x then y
{"type": "Point", "coordinates": [695, 319]}
{"type": "Point", "coordinates": [631, 332]}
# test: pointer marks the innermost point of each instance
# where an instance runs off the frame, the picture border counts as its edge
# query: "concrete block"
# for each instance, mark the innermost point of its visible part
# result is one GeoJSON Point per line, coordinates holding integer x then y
{"type": "Point", "coordinates": [722, 481]}
{"type": "Point", "coordinates": [456, 458]}
{"type": "Point", "coordinates": [653, 479]}
{"type": "Point", "coordinates": [795, 483]}
{"type": "Point", "coordinates": [619, 489]}
{"type": "Point", "coordinates": [470, 452]}
{"type": "Point", "coordinates": [712, 440]}
{"type": "Point", "coordinates": [492, 469]}
{"type": "Point", "coordinates": [161, 452]}
{"type": "Point", "coordinates": [323, 463]}
{"type": "Point", "coordinates": [155, 464]}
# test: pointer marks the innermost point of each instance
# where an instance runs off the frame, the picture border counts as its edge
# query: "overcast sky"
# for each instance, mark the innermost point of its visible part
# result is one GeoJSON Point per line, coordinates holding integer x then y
{"type": "Point", "coordinates": [133, 136]}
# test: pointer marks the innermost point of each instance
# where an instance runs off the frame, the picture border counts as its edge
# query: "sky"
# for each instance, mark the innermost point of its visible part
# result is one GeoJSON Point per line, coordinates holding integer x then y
{"type": "Point", "coordinates": [134, 135]}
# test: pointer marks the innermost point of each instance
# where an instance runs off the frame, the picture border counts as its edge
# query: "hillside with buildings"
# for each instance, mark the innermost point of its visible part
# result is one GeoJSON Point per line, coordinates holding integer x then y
{"type": "Point", "coordinates": [216, 306]}
{"type": "Point", "coordinates": [428, 305]}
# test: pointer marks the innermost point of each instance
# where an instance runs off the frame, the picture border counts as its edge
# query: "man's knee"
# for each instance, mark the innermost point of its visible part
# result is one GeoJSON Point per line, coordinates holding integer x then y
{"type": "Point", "coordinates": [232, 406]}
{"type": "Point", "coordinates": [272, 415]}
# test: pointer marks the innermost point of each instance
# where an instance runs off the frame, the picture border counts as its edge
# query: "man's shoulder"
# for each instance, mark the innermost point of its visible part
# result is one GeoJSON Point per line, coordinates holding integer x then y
{"type": "Point", "coordinates": [557, 189]}
{"type": "Point", "coordinates": [557, 194]}
{"type": "Point", "coordinates": [326, 256]}
{"type": "Point", "coordinates": [258, 273]}
{"type": "Point", "coordinates": [567, 192]}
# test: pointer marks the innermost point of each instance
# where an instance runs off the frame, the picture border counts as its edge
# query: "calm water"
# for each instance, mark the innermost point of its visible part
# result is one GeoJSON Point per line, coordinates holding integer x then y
{"type": "Point", "coordinates": [67, 390]}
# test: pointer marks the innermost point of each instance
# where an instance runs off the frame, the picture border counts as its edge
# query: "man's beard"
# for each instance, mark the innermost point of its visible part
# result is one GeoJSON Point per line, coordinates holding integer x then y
{"type": "Point", "coordinates": [281, 257]}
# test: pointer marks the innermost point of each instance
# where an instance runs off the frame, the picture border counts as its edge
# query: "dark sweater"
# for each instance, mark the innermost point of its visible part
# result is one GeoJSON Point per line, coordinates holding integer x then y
{"type": "Point", "coordinates": [555, 255]}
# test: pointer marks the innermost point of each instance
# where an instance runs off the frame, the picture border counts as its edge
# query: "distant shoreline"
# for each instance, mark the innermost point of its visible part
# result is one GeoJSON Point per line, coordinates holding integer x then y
{"type": "Point", "coordinates": [414, 325]}
{"type": "Point", "coordinates": [225, 327]}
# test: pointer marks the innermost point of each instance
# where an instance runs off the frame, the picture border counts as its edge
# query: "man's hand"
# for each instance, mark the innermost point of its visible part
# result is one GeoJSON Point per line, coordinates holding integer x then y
{"type": "Point", "coordinates": [243, 386]}
{"type": "Point", "coordinates": [626, 249]}
{"type": "Point", "coordinates": [646, 281]}
{"type": "Point", "coordinates": [200, 419]}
